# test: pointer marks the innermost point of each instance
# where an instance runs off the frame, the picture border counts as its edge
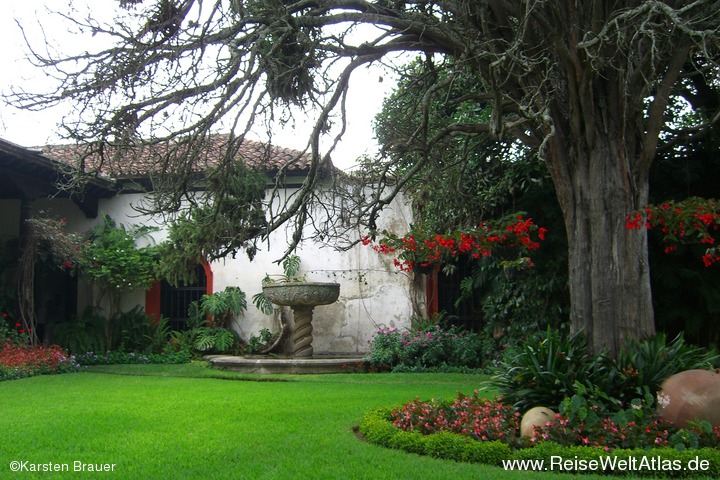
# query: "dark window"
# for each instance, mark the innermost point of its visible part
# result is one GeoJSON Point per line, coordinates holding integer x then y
{"type": "Point", "coordinates": [175, 301]}
{"type": "Point", "coordinates": [466, 313]}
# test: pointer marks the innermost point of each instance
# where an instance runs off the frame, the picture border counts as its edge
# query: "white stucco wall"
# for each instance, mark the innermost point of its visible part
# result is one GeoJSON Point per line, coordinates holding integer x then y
{"type": "Point", "coordinates": [373, 293]}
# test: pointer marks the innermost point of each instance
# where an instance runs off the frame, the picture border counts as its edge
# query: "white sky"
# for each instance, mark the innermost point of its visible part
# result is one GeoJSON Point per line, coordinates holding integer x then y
{"type": "Point", "coordinates": [39, 128]}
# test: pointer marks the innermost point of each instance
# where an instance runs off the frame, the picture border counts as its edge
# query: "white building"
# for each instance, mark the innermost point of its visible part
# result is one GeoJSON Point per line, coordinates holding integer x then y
{"type": "Point", "coordinates": [373, 293]}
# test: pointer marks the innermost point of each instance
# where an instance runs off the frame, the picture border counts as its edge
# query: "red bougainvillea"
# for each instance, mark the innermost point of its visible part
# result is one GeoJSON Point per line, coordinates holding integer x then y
{"type": "Point", "coordinates": [421, 248]}
{"type": "Point", "coordinates": [692, 221]}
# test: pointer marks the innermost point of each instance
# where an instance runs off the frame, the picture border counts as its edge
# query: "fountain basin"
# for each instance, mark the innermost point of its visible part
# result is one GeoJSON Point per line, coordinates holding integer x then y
{"type": "Point", "coordinates": [302, 297]}
{"type": "Point", "coordinates": [302, 294]}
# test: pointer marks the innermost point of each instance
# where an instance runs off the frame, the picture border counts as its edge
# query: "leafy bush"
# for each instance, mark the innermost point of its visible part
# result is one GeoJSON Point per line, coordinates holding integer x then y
{"type": "Point", "coordinates": [428, 348]}
{"type": "Point", "coordinates": [551, 367]}
{"type": "Point", "coordinates": [140, 332]}
{"type": "Point", "coordinates": [378, 427]}
{"type": "Point", "coordinates": [82, 334]}
{"type": "Point", "coordinates": [209, 323]}
{"type": "Point", "coordinates": [220, 308]}
{"type": "Point", "coordinates": [213, 339]}
{"type": "Point", "coordinates": [19, 361]}
{"type": "Point", "coordinates": [10, 330]}
{"type": "Point", "coordinates": [648, 362]}
{"type": "Point", "coordinates": [585, 422]}
{"type": "Point", "coordinates": [257, 343]}
{"type": "Point", "coordinates": [120, 358]}
{"type": "Point", "coordinates": [470, 416]}
{"type": "Point", "coordinates": [545, 370]}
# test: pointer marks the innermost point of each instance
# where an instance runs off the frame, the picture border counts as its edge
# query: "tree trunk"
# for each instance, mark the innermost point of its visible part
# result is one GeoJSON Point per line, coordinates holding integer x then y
{"type": "Point", "coordinates": [608, 264]}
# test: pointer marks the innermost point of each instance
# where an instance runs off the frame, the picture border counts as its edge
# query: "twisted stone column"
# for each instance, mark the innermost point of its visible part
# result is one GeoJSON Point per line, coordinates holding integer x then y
{"type": "Point", "coordinates": [302, 332]}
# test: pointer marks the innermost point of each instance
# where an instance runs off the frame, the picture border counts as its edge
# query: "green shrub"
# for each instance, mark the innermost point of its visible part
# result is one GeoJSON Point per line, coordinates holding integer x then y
{"type": "Point", "coordinates": [646, 363]}
{"type": "Point", "coordinates": [429, 348]}
{"type": "Point", "coordinates": [377, 428]}
{"type": "Point", "coordinates": [132, 358]}
{"type": "Point", "coordinates": [85, 333]}
{"type": "Point", "coordinates": [140, 332]}
{"type": "Point", "coordinates": [411, 442]}
{"type": "Point", "coordinates": [552, 366]}
{"type": "Point", "coordinates": [209, 322]}
{"type": "Point", "coordinates": [544, 370]}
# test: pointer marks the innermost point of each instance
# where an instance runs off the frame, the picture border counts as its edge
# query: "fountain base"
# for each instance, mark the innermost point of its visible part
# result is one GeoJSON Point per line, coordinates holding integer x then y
{"type": "Point", "coordinates": [341, 363]}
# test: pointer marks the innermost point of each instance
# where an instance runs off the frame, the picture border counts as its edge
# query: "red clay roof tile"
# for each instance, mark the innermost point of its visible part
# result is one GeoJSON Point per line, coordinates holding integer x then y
{"type": "Point", "coordinates": [142, 160]}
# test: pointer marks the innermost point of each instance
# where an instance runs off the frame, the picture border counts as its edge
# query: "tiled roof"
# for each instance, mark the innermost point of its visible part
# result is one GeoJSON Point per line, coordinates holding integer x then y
{"type": "Point", "coordinates": [142, 160]}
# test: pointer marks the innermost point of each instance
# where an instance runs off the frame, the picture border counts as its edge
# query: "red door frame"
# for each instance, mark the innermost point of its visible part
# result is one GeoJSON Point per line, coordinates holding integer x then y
{"type": "Point", "coordinates": [152, 296]}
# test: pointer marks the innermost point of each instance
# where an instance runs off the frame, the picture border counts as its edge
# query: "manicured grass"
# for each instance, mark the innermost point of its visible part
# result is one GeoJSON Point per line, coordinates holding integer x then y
{"type": "Point", "coordinates": [176, 421]}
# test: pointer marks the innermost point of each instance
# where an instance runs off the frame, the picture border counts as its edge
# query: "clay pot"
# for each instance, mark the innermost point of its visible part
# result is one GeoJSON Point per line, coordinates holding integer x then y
{"type": "Point", "coordinates": [536, 416]}
{"type": "Point", "coordinates": [690, 395]}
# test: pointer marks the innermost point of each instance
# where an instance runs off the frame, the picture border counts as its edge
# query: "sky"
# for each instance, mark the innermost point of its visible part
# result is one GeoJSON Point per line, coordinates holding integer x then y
{"type": "Point", "coordinates": [368, 86]}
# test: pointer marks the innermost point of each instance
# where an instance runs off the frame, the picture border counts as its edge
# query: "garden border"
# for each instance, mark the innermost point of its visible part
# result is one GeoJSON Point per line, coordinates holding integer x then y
{"type": "Point", "coordinates": [377, 429]}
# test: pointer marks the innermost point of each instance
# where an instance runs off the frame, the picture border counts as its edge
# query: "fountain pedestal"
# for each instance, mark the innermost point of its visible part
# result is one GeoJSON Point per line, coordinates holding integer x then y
{"type": "Point", "coordinates": [302, 297]}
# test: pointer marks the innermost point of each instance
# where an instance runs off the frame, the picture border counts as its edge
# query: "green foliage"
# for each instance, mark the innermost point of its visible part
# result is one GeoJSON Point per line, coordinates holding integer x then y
{"type": "Point", "coordinates": [585, 421]}
{"type": "Point", "coordinates": [472, 166]}
{"type": "Point", "coordinates": [229, 220]}
{"type": "Point", "coordinates": [426, 428]}
{"type": "Point", "coordinates": [132, 358]}
{"type": "Point", "coordinates": [549, 368]}
{"type": "Point", "coordinates": [141, 333]}
{"type": "Point", "coordinates": [213, 339]}
{"type": "Point", "coordinates": [108, 254]}
{"type": "Point", "coordinates": [263, 303]}
{"type": "Point", "coordinates": [699, 434]}
{"type": "Point", "coordinates": [377, 428]}
{"type": "Point", "coordinates": [9, 331]}
{"type": "Point", "coordinates": [545, 369]}
{"type": "Point", "coordinates": [291, 270]}
{"type": "Point", "coordinates": [221, 307]}
{"type": "Point", "coordinates": [85, 333]}
{"type": "Point", "coordinates": [113, 258]}
{"type": "Point", "coordinates": [424, 350]}
{"type": "Point", "coordinates": [210, 321]}
{"type": "Point", "coordinates": [685, 294]}
{"type": "Point", "coordinates": [256, 343]}
{"type": "Point", "coordinates": [291, 267]}
{"type": "Point", "coordinates": [644, 364]}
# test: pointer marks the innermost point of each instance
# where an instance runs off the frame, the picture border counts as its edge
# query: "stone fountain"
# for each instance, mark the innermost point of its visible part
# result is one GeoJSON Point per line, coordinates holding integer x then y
{"type": "Point", "coordinates": [302, 297]}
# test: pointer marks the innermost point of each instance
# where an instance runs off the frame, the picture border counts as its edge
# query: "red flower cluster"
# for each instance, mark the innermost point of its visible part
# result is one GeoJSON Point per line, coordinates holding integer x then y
{"type": "Point", "coordinates": [693, 221]}
{"type": "Point", "coordinates": [607, 435]}
{"type": "Point", "coordinates": [33, 360]}
{"type": "Point", "coordinates": [470, 416]}
{"type": "Point", "coordinates": [487, 420]}
{"type": "Point", "coordinates": [419, 248]}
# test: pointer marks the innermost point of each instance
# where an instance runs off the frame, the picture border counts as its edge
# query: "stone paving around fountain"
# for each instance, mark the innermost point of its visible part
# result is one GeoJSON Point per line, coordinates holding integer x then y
{"type": "Point", "coordinates": [342, 363]}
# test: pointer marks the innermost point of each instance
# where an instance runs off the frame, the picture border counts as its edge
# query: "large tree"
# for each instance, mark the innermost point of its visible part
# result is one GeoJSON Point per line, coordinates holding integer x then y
{"type": "Point", "coordinates": [585, 83]}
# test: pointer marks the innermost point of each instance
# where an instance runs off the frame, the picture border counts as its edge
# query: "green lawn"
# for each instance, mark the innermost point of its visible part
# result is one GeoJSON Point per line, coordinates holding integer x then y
{"type": "Point", "coordinates": [181, 422]}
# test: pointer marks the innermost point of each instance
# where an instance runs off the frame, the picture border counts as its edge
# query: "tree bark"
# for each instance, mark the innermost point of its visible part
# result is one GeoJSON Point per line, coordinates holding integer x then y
{"type": "Point", "coordinates": [608, 264]}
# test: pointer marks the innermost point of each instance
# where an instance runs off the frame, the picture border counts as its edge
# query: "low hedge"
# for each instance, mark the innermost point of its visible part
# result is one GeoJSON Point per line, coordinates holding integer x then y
{"type": "Point", "coordinates": [377, 429]}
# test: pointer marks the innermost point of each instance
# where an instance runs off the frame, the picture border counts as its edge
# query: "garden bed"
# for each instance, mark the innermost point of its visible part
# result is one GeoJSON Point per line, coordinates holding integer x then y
{"type": "Point", "coordinates": [377, 428]}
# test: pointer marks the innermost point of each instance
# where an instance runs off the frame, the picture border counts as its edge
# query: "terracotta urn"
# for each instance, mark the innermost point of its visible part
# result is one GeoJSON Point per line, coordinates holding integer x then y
{"type": "Point", "coordinates": [690, 395]}
{"type": "Point", "coordinates": [536, 416]}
